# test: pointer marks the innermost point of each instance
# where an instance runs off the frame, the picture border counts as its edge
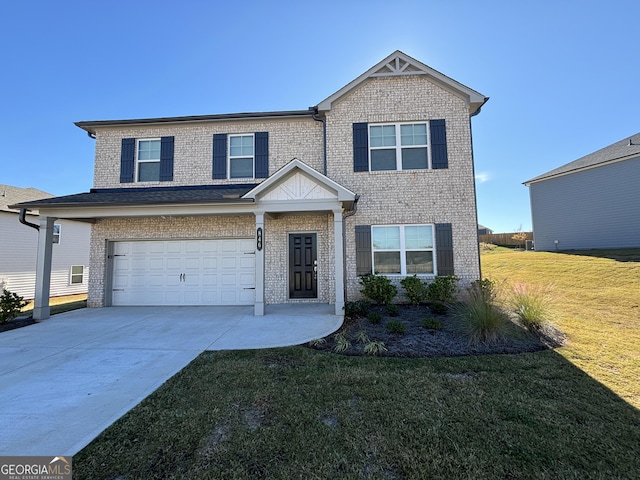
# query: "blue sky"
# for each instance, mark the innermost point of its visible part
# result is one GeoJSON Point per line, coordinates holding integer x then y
{"type": "Point", "coordinates": [562, 76]}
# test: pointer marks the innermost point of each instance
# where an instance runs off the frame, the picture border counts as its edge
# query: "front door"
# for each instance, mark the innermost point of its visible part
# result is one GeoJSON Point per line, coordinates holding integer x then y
{"type": "Point", "coordinates": [303, 265]}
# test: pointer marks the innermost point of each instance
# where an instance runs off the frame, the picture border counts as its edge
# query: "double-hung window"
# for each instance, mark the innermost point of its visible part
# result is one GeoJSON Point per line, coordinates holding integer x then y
{"type": "Point", "coordinates": [403, 249]}
{"type": "Point", "coordinates": [57, 229]}
{"type": "Point", "coordinates": [403, 146]}
{"type": "Point", "coordinates": [241, 156]}
{"type": "Point", "coordinates": [77, 274]}
{"type": "Point", "coordinates": [148, 164]}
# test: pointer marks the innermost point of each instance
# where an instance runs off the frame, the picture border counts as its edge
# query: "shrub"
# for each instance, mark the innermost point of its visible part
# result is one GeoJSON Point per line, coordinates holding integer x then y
{"type": "Point", "coordinates": [342, 343]}
{"type": "Point", "coordinates": [378, 288]}
{"type": "Point", "coordinates": [362, 337]}
{"type": "Point", "coordinates": [10, 305]}
{"type": "Point", "coordinates": [432, 323]}
{"type": "Point", "coordinates": [443, 289]}
{"type": "Point", "coordinates": [414, 289]}
{"type": "Point", "coordinates": [393, 309]}
{"type": "Point", "coordinates": [483, 319]}
{"type": "Point", "coordinates": [438, 308]}
{"type": "Point", "coordinates": [531, 304]}
{"type": "Point", "coordinates": [394, 326]}
{"type": "Point", "coordinates": [359, 308]}
{"type": "Point", "coordinates": [375, 348]}
{"type": "Point", "coordinates": [374, 317]}
{"type": "Point", "coordinates": [487, 247]}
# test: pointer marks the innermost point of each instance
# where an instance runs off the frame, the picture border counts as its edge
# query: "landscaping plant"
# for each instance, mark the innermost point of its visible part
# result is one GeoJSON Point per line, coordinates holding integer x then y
{"type": "Point", "coordinates": [531, 304]}
{"type": "Point", "coordinates": [479, 311]}
{"type": "Point", "coordinates": [10, 305]}
{"type": "Point", "coordinates": [395, 326]}
{"type": "Point", "coordinates": [432, 323]}
{"type": "Point", "coordinates": [443, 289]}
{"type": "Point", "coordinates": [378, 288]}
{"type": "Point", "coordinates": [414, 289]}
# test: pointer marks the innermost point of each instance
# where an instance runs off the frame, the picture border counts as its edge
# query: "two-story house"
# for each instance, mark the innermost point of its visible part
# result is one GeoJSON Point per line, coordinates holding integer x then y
{"type": "Point", "coordinates": [282, 207]}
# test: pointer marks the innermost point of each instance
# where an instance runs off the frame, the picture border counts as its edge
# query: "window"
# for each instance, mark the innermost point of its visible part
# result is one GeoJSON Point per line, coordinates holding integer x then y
{"type": "Point", "coordinates": [241, 156]}
{"type": "Point", "coordinates": [399, 147]}
{"type": "Point", "coordinates": [77, 274]}
{"type": "Point", "coordinates": [56, 233]}
{"type": "Point", "coordinates": [148, 164]}
{"type": "Point", "coordinates": [403, 249]}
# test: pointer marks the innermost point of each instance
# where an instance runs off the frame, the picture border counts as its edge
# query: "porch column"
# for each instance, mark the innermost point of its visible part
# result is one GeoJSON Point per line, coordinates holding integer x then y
{"type": "Point", "coordinates": [43, 269]}
{"type": "Point", "coordinates": [260, 246]}
{"type": "Point", "coordinates": [339, 260]}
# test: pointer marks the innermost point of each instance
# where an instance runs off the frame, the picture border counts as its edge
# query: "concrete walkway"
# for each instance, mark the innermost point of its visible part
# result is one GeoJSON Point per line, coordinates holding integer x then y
{"type": "Point", "coordinates": [66, 379]}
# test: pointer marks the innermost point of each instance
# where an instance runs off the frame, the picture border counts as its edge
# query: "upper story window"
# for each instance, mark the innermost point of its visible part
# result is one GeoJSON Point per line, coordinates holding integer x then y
{"type": "Point", "coordinates": [399, 147]}
{"type": "Point", "coordinates": [403, 249]}
{"type": "Point", "coordinates": [57, 229]}
{"type": "Point", "coordinates": [241, 156]}
{"type": "Point", "coordinates": [148, 161]}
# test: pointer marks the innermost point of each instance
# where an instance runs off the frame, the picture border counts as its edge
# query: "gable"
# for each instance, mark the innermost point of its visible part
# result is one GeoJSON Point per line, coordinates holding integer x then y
{"type": "Point", "coordinates": [299, 186]}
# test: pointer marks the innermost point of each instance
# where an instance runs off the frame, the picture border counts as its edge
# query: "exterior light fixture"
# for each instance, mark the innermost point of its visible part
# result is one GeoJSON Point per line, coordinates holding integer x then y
{"type": "Point", "coordinates": [259, 238]}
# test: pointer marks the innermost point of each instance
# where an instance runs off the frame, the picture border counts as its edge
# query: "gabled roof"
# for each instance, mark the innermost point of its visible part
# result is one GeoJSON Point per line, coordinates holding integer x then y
{"type": "Point", "coordinates": [622, 150]}
{"type": "Point", "coordinates": [401, 64]}
{"type": "Point", "coordinates": [110, 197]}
{"type": "Point", "coordinates": [10, 195]}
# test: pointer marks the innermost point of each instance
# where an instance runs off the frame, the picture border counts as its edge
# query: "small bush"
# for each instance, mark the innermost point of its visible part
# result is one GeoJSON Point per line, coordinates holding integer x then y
{"type": "Point", "coordinates": [414, 289]}
{"type": "Point", "coordinates": [432, 323]}
{"type": "Point", "coordinates": [487, 247]}
{"type": "Point", "coordinates": [359, 308]}
{"type": "Point", "coordinates": [375, 348]}
{"type": "Point", "coordinates": [342, 343]}
{"type": "Point", "coordinates": [443, 289]}
{"type": "Point", "coordinates": [374, 317]}
{"type": "Point", "coordinates": [378, 288]}
{"type": "Point", "coordinates": [531, 304]}
{"type": "Point", "coordinates": [394, 326]}
{"type": "Point", "coordinates": [10, 305]}
{"type": "Point", "coordinates": [480, 313]}
{"type": "Point", "coordinates": [393, 309]}
{"type": "Point", "coordinates": [362, 337]}
{"type": "Point", "coordinates": [438, 308]}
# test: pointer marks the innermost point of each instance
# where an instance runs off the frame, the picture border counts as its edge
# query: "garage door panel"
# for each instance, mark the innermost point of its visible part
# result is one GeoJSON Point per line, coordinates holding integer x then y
{"type": "Point", "coordinates": [186, 272]}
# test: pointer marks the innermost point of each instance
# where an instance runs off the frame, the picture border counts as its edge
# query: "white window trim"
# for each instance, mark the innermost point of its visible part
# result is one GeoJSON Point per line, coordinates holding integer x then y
{"type": "Point", "coordinates": [71, 275]}
{"type": "Point", "coordinates": [403, 250]}
{"type": "Point", "coordinates": [57, 235]}
{"type": "Point", "coordinates": [230, 157]}
{"type": "Point", "coordinates": [138, 161]}
{"type": "Point", "coordinates": [398, 147]}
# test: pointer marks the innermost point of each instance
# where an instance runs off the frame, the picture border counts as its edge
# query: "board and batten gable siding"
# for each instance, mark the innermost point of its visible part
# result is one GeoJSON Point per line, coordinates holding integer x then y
{"type": "Point", "coordinates": [444, 195]}
{"type": "Point", "coordinates": [594, 208]}
{"type": "Point", "coordinates": [18, 251]}
{"type": "Point", "coordinates": [193, 149]}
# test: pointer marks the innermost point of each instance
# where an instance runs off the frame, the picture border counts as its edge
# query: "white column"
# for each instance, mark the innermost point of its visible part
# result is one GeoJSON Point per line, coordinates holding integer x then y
{"type": "Point", "coordinates": [259, 301]}
{"type": "Point", "coordinates": [339, 260]}
{"type": "Point", "coordinates": [43, 268]}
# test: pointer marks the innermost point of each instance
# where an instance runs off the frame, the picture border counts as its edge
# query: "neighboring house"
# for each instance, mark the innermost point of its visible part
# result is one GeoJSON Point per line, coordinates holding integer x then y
{"type": "Point", "coordinates": [284, 207]}
{"type": "Point", "coordinates": [482, 230]}
{"type": "Point", "coordinates": [19, 246]}
{"type": "Point", "coordinates": [592, 202]}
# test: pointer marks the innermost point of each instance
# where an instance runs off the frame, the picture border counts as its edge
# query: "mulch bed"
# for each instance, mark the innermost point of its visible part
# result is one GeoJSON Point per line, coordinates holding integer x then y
{"type": "Point", "coordinates": [16, 323]}
{"type": "Point", "coordinates": [449, 341]}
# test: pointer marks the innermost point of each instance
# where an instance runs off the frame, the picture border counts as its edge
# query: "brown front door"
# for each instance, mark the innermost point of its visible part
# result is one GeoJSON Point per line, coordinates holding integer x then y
{"type": "Point", "coordinates": [303, 263]}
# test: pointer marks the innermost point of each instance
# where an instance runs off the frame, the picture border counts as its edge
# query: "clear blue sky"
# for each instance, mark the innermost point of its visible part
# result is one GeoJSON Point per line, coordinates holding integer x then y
{"type": "Point", "coordinates": [562, 75]}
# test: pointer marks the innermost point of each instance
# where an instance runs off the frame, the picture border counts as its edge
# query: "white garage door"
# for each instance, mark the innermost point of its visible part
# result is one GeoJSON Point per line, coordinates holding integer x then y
{"type": "Point", "coordinates": [187, 272]}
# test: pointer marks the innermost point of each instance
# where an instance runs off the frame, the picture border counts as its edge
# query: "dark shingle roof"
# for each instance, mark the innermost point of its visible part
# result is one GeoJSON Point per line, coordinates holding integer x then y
{"type": "Point", "coordinates": [146, 196]}
{"type": "Point", "coordinates": [10, 195]}
{"type": "Point", "coordinates": [628, 147]}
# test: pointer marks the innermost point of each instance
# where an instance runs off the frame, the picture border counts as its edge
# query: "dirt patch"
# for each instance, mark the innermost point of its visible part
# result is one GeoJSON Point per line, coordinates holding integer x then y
{"type": "Point", "coordinates": [419, 341]}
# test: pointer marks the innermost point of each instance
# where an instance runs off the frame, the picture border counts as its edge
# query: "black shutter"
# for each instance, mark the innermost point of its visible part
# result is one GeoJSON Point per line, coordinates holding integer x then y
{"type": "Point", "coordinates": [166, 159]}
{"type": "Point", "coordinates": [360, 147]}
{"type": "Point", "coordinates": [439, 158]}
{"type": "Point", "coordinates": [444, 249]}
{"type": "Point", "coordinates": [262, 154]}
{"type": "Point", "coordinates": [220, 155]}
{"type": "Point", "coordinates": [363, 250]}
{"type": "Point", "coordinates": [127, 160]}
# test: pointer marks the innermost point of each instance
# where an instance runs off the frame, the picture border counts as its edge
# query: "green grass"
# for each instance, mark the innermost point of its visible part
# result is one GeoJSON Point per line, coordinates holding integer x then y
{"type": "Point", "coordinates": [298, 413]}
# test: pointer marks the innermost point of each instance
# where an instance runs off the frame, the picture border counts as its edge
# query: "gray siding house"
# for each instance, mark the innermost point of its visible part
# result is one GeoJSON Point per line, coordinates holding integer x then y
{"type": "Point", "coordinates": [592, 202]}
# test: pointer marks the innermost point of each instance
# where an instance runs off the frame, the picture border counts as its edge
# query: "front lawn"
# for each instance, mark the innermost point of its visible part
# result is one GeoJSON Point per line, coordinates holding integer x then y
{"type": "Point", "coordinates": [300, 413]}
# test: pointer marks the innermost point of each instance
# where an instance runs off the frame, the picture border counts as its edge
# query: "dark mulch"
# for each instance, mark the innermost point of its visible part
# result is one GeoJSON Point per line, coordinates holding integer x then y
{"type": "Point", "coordinates": [449, 341]}
{"type": "Point", "coordinates": [16, 323]}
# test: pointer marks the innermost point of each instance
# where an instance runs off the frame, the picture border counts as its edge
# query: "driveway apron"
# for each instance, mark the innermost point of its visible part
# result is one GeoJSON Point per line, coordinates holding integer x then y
{"type": "Point", "coordinates": [64, 380]}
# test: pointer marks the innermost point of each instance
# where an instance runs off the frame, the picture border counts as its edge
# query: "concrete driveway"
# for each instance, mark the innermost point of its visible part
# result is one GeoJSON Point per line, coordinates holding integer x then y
{"type": "Point", "coordinates": [63, 381]}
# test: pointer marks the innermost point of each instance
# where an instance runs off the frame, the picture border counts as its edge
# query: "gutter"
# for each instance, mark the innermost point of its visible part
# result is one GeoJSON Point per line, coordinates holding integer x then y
{"type": "Point", "coordinates": [323, 120]}
{"type": "Point", "coordinates": [23, 220]}
{"type": "Point", "coordinates": [351, 213]}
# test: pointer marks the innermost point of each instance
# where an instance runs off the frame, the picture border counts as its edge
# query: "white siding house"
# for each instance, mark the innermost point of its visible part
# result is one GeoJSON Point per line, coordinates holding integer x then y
{"type": "Point", "coordinates": [19, 246]}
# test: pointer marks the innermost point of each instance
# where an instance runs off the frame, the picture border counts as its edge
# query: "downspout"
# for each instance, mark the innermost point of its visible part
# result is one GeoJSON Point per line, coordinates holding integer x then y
{"type": "Point", "coordinates": [350, 213]}
{"type": "Point", "coordinates": [317, 118]}
{"type": "Point", "coordinates": [23, 220]}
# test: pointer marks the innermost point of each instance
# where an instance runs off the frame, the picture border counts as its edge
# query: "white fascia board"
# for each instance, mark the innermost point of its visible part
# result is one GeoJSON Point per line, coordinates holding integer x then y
{"type": "Point", "coordinates": [283, 206]}
{"type": "Point", "coordinates": [148, 210]}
